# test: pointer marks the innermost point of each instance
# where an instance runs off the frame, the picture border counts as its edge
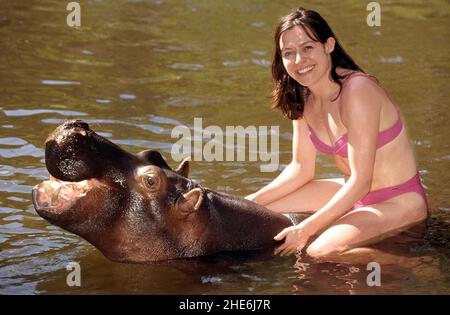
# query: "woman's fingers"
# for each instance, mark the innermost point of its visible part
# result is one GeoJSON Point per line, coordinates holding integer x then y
{"type": "Point", "coordinates": [282, 234]}
{"type": "Point", "coordinates": [280, 249]}
{"type": "Point", "coordinates": [287, 252]}
{"type": "Point", "coordinates": [285, 248]}
{"type": "Point", "coordinates": [289, 247]}
{"type": "Point", "coordinates": [293, 241]}
{"type": "Point", "coordinates": [284, 251]}
{"type": "Point", "coordinates": [291, 250]}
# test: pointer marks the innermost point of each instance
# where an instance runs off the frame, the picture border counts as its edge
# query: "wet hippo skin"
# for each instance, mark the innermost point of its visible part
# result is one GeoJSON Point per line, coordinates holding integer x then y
{"type": "Point", "coordinates": [135, 208]}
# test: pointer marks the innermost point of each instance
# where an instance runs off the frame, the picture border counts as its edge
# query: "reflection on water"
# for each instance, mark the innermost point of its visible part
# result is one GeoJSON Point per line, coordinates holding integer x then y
{"type": "Point", "coordinates": [135, 70]}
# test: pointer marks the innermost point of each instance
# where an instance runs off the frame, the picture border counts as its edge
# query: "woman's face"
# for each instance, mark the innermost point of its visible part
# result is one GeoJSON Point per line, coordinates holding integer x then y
{"type": "Point", "coordinates": [305, 59]}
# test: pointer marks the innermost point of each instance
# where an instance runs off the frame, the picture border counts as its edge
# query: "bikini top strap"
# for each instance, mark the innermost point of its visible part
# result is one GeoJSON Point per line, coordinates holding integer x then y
{"type": "Point", "coordinates": [346, 80]}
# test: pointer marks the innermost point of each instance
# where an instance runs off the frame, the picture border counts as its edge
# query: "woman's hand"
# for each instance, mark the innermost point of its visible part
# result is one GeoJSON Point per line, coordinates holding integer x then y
{"type": "Point", "coordinates": [295, 238]}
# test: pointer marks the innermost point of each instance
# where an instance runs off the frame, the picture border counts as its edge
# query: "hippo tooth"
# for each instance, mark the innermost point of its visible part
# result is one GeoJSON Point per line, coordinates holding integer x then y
{"type": "Point", "coordinates": [85, 185]}
{"type": "Point", "coordinates": [82, 187]}
{"type": "Point", "coordinates": [49, 187]}
{"type": "Point", "coordinates": [55, 196]}
{"type": "Point", "coordinates": [54, 179]}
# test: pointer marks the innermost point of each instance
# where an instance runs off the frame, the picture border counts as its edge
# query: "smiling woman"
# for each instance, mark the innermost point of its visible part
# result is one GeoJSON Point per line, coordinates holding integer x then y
{"type": "Point", "coordinates": [339, 110]}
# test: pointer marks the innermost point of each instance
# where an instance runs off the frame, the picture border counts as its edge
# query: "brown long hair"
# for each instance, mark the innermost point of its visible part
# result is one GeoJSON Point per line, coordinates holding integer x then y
{"type": "Point", "coordinates": [288, 95]}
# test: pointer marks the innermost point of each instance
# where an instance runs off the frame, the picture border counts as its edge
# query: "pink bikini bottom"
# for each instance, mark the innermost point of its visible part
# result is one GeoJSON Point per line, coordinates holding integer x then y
{"type": "Point", "coordinates": [377, 196]}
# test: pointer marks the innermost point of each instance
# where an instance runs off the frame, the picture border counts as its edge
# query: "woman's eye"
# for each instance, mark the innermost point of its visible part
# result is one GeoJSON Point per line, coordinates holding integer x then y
{"type": "Point", "coordinates": [286, 54]}
{"type": "Point", "coordinates": [308, 48]}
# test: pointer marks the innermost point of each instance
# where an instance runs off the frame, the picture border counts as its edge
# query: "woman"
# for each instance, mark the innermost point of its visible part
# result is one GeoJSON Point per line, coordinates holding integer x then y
{"type": "Point", "coordinates": [339, 110]}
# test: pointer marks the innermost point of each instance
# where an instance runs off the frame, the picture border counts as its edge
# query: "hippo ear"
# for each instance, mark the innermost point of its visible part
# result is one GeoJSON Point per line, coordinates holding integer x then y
{"type": "Point", "coordinates": [154, 158]}
{"type": "Point", "coordinates": [191, 201]}
{"type": "Point", "coordinates": [183, 168]}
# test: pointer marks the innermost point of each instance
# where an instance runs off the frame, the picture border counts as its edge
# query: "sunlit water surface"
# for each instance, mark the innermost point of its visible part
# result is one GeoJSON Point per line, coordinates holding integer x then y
{"type": "Point", "coordinates": [137, 69]}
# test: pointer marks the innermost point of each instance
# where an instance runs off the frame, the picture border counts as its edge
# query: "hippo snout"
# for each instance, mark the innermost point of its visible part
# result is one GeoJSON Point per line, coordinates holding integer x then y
{"type": "Point", "coordinates": [67, 152]}
{"type": "Point", "coordinates": [76, 124]}
{"type": "Point", "coordinates": [68, 127]}
{"type": "Point", "coordinates": [74, 152]}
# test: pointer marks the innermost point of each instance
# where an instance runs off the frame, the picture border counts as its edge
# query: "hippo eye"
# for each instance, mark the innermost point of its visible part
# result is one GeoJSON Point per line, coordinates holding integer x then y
{"type": "Point", "coordinates": [150, 181]}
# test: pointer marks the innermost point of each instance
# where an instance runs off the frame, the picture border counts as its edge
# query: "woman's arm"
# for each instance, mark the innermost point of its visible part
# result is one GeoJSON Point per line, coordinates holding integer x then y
{"type": "Point", "coordinates": [299, 172]}
{"type": "Point", "coordinates": [362, 117]}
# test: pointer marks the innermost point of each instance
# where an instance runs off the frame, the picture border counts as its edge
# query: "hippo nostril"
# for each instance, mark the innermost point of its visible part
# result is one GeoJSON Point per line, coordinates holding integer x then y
{"type": "Point", "coordinates": [76, 124]}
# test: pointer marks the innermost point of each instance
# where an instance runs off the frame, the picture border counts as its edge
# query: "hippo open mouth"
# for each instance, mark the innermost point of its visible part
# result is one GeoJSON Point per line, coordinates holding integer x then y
{"type": "Point", "coordinates": [136, 208]}
{"type": "Point", "coordinates": [54, 196]}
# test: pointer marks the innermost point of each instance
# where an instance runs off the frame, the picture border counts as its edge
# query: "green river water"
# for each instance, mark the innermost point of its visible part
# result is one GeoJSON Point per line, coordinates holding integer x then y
{"type": "Point", "coordinates": [137, 69]}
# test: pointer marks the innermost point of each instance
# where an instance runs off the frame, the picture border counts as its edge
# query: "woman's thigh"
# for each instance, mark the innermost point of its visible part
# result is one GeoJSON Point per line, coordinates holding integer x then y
{"type": "Point", "coordinates": [308, 198]}
{"type": "Point", "coordinates": [368, 225]}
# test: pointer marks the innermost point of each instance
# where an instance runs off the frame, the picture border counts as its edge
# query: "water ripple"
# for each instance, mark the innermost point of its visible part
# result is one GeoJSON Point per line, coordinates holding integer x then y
{"type": "Point", "coordinates": [152, 128]}
{"type": "Point", "coordinates": [392, 60]}
{"type": "Point", "coordinates": [185, 101]}
{"type": "Point", "coordinates": [210, 279]}
{"type": "Point", "coordinates": [18, 199]}
{"type": "Point", "coordinates": [164, 120]}
{"type": "Point", "coordinates": [17, 228]}
{"type": "Point", "coordinates": [145, 144]}
{"type": "Point", "coordinates": [147, 127]}
{"type": "Point", "coordinates": [59, 82]}
{"type": "Point", "coordinates": [8, 210]}
{"type": "Point", "coordinates": [127, 96]}
{"type": "Point", "coordinates": [186, 66]}
{"type": "Point", "coordinates": [14, 186]}
{"type": "Point", "coordinates": [262, 62]}
{"type": "Point", "coordinates": [12, 141]}
{"type": "Point", "coordinates": [30, 112]}
{"type": "Point", "coordinates": [18, 217]}
{"type": "Point", "coordinates": [235, 63]}
{"type": "Point", "coordinates": [170, 48]}
{"type": "Point", "coordinates": [26, 150]}
{"type": "Point", "coordinates": [258, 24]}
{"type": "Point", "coordinates": [38, 173]}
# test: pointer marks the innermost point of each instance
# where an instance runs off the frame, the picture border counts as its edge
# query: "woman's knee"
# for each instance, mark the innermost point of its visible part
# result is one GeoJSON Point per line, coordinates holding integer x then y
{"type": "Point", "coordinates": [320, 250]}
{"type": "Point", "coordinates": [421, 212]}
{"type": "Point", "coordinates": [334, 241]}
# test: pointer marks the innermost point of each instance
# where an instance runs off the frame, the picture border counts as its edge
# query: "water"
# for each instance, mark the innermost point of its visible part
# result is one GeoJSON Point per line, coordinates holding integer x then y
{"type": "Point", "coordinates": [136, 69]}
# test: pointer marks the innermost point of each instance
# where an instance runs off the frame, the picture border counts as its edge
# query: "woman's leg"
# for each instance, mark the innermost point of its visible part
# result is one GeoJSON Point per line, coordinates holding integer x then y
{"type": "Point", "coordinates": [308, 198]}
{"type": "Point", "coordinates": [346, 240]}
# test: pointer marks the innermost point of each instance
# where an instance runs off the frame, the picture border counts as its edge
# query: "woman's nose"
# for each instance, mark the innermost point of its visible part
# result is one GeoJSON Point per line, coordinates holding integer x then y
{"type": "Point", "coordinates": [298, 58]}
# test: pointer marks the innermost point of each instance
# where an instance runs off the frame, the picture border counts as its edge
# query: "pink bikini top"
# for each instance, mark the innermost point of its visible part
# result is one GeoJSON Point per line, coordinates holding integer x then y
{"type": "Point", "coordinates": [341, 144]}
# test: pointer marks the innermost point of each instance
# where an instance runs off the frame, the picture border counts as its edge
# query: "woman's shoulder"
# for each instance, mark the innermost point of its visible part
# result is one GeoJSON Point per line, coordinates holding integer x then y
{"type": "Point", "coordinates": [361, 83]}
{"type": "Point", "coordinates": [361, 90]}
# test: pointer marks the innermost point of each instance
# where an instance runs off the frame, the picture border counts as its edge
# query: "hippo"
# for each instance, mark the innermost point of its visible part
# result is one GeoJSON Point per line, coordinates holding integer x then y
{"type": "Point", "coordinates": [136, 208]}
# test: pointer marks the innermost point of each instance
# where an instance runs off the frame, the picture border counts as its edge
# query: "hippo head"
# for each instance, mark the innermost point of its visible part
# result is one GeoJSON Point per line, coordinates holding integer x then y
{"type": "Point", "coordinates": [133, 208]}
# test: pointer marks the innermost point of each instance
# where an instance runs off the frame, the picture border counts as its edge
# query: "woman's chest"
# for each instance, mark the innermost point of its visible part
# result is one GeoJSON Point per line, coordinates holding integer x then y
{"type": "Point", "coordinates": [325, 121]}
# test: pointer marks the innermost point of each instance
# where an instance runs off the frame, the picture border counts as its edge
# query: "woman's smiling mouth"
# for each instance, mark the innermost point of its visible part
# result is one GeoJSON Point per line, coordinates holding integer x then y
{"type": "Point", "coordinates": [305, 70]}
